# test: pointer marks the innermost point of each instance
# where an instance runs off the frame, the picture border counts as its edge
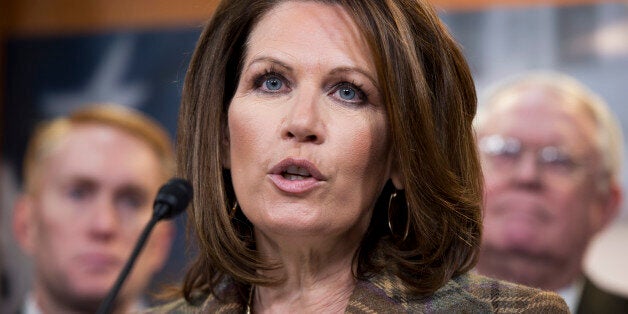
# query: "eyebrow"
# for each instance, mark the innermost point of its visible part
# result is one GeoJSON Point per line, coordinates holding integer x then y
{"type": "Point", "coordinates": [79, 180]}
{"type": "Point", "coordinates": [358, 70]}
{"type": "Point", "coordinates": [93, 183]}
{"type": "Point", "coordinates": [335, 71]}
{"type": "Point", "coordinates": [269, 60]}
{"type": "Point", "coordinates": [132, 188]}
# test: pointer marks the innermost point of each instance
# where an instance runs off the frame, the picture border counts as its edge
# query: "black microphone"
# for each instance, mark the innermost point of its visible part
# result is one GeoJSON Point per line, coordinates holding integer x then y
{"type": "Point", "coordinates": [172, 199]}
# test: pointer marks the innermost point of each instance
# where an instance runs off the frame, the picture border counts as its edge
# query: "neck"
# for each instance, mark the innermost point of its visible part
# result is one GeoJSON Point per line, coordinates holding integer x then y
{"type": "Point", "coordinates": [572, 293]}
{"type": "Point", "coordinates": [317, 276]}
{"type": "Point", "coordinates": [323, 296]}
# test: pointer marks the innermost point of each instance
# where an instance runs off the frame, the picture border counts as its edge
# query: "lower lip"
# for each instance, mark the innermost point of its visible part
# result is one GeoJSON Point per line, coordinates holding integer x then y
{"type": "Point", "coordinates": [98, 261]}
{"type": "Point", "coordinates": [294, 186]}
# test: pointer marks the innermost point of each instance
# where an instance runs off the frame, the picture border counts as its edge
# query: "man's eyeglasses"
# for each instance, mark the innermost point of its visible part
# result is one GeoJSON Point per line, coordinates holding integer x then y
{"type": "Point", "coordinates": [505, 153]}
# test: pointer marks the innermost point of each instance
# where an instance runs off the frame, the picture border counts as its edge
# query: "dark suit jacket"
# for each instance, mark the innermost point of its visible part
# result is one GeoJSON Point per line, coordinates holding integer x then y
{"type": "Point", "coordinates": [467, 293]}
{"type": "Point", "coordinates": [596, 300]}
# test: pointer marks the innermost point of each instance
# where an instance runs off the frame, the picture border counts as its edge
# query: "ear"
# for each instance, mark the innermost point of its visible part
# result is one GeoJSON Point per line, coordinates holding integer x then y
{"type": "Point", "coordinates": [610, 202]}
{"type": "Point", "coordinates": [24, 229]}
{"type": "Point", "coordinates": [396, 175]}
{"type": "Point", "coordinates": [161, 243]}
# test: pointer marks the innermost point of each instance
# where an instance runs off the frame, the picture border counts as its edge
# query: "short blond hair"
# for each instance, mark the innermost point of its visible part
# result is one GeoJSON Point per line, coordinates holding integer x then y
{"type": "Point", "coordinates": [49, 134]}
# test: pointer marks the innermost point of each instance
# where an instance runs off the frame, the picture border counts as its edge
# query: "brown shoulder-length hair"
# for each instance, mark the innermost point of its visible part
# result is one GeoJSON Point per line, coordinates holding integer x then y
{"type": "Point", "coordinates": [430, 100]}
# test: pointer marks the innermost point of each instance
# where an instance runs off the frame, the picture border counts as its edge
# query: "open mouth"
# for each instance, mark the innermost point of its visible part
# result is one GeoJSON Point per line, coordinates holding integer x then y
{"type": "Point", "coordinates": [294, 173]}
{"type": "Point", "coordinates": [294, 169]}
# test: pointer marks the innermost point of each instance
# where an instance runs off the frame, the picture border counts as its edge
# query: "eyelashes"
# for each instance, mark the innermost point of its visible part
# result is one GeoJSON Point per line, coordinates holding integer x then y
{"type": "Point", "coordinates": [350, 92]}
{"type": "Point", "coordinates": [271, 82]}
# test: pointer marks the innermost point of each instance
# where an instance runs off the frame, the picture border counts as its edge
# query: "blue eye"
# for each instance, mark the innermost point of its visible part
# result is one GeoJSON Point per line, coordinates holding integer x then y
{"type": "Point", "coordinates": [347, 93]}
{"type": "Point", "coordinates": [131, 198]}
{"type": "Point", "coordinates": [130, 202]}
{"type": "Point", "coordinates": [78, 193]}
{"type": "Point", "coordinates": [273, 83]}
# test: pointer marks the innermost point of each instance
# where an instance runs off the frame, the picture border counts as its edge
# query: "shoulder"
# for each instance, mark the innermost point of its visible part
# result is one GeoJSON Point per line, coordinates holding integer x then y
{"type": "Point", "coordinates": [229, 302]}
{"type": "Point", "coordinates": [597, 300]}
{"type": "Point", "coordinates": [177, 306]}
{"type": "Point", "coordinates": [467, 293]}
{"type": "Point", "coordinates": [208, 304]}
{"type": "Point", "coordinates": [504, 296]}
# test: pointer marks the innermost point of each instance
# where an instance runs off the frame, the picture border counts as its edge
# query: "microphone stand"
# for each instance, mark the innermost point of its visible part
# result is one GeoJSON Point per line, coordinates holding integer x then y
{"type": "Point", "coordinates": [172, 199]}
{"type": "Point", "coordinates": [105, 307]}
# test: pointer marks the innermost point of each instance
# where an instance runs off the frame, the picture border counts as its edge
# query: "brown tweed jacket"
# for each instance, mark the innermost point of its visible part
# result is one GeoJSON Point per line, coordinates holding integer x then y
{"type": "Point", "coordinates": [468, 293]}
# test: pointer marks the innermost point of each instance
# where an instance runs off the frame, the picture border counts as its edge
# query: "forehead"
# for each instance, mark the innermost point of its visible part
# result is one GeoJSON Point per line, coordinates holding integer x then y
{"type": "Point", "coordinates": [103, 153]}
{"type": "Point", "coordinates": [541, 116]}
{"type": "Point", "coordinates": [310, 32]}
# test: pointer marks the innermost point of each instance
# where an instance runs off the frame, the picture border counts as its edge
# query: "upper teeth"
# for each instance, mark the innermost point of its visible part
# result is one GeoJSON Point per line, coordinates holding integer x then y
{"type": "Point", "coordinates": [297, 170]}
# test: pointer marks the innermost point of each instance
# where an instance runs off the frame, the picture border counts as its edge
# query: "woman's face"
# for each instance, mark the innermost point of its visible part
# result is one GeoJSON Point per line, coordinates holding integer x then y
{"type": "Point", "coordinates": [309, 143]}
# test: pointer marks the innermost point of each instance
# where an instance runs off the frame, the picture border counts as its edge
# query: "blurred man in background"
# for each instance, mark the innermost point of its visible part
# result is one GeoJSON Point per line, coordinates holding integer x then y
{"type": "Point", "coordinates": [89, 184]}
{"type": "Point", "coordinates": [551, 153]}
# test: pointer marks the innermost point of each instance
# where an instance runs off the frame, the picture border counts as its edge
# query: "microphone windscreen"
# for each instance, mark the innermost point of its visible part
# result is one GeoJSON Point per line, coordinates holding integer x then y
{"type": "Point", "coordinates": [172, 198]}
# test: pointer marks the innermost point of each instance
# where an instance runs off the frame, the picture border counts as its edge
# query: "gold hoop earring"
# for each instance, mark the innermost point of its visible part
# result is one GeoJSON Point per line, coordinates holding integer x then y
{"type": "Point", "coordinates": [407, 230]}
{"type": "Point", "coordinates": [233, 210]}
{"type": "Point", "coordinates": [392, 196]}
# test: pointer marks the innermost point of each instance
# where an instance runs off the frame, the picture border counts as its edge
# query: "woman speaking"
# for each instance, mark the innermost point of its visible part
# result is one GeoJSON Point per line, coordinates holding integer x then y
{"type": "Point", "coordinates": [330, 147]}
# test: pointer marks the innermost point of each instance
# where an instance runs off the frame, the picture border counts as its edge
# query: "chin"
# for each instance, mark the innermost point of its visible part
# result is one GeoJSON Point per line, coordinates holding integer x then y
{"type": "Point", "coordinates": [84, 302]}
{"type": "Point", "coordinates": [295, 229]}
{"type": "Point", "coordinates": [311, 229]}
{"type": "Point", "coordinates": [92, 291]}
{"type": "Point", "coordinates": [516, 232]}
{"type": "Point", "coordinates": [93, 287]}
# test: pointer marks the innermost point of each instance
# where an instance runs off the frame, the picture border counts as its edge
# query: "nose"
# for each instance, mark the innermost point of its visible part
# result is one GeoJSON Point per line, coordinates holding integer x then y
{"type": "Point", "coordinates": [304, 118]}
{"type": "Point", "coordinates": [104, 219]}
{"type": "Point", "coordinates": [527, 170]}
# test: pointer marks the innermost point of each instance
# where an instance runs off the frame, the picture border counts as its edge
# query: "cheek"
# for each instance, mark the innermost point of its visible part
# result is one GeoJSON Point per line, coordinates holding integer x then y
{"type": "Point", "coordinates": [54, 235]}
{"type": "Point", "coordinates": [573, 202]}
{"type": "Point", "coordinates": [159, 246]}
{"type": "Point", "coordinates": [366, 149]}
{"type": "Point", "coordinates": [492, 180]}
{"type": "Point", "coordinates": [247, 132]}
{"type": "Point", "coordinates": [492, 191]}
{"type": "Point", "coordinates": [250, 144]}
